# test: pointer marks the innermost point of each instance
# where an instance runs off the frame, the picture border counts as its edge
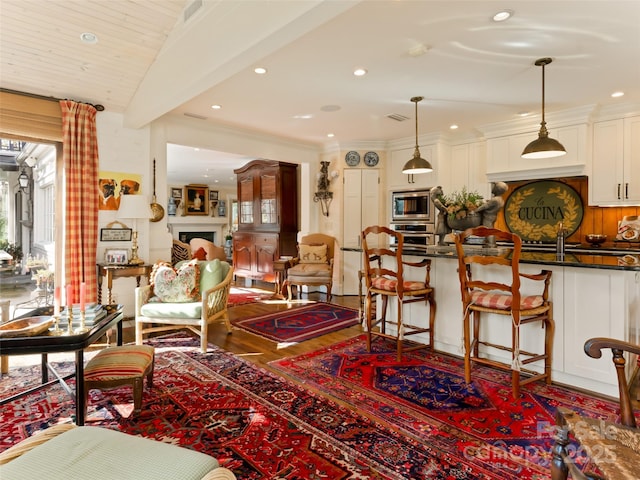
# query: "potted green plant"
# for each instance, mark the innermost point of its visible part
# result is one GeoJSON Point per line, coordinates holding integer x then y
{"type": "Point", "coordinates": [12, 249]}
{"type": "Point", "coordinates": [461, 207]}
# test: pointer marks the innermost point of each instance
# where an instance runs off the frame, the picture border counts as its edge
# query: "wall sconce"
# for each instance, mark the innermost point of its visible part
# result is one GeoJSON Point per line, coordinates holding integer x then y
{"type": "Point", "coordinates": [24, 181]}
{"type": "Point", "coordinates": [323, 195]}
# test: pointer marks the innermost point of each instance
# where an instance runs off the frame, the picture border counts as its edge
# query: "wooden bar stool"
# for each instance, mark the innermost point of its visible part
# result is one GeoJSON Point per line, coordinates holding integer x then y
{"type": "Point", "coordinates": [117, 366]}
{"type": "Point", "coordinates": [384, 274]}
{"type": "Point", "coordinates": [494, 296]}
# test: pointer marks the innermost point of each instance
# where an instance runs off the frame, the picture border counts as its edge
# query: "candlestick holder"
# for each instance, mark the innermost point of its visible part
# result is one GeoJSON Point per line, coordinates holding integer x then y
{"type": "Point", "coordinates": [56, 326]}
{"type": "Point", "coordinates": [82, 328]}
{"type": "Point", "coordinates": [70, 320]}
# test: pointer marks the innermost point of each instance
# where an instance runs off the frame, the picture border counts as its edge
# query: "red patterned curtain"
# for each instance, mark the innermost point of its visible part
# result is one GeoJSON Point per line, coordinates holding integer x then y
{"type": "Point", "coordinates": [80, 157]}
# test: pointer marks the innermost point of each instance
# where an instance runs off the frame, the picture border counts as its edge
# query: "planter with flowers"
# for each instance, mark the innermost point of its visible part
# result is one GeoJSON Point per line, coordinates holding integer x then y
{"type": "Point", "coordinates": [461, 209]}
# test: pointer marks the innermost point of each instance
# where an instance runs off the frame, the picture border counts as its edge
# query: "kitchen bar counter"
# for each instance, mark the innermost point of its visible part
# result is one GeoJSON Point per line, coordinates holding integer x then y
{"type": "Point", "coordinates": [594, 295]}
{"type": "Point", "coordinates": [574, 257]}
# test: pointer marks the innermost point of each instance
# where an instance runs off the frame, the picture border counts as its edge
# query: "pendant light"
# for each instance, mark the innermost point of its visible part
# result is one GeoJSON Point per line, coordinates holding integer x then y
{"type": "Point", "coordinates": [543, 146]}
{"type": "Point", "coordinates": [417, 164]}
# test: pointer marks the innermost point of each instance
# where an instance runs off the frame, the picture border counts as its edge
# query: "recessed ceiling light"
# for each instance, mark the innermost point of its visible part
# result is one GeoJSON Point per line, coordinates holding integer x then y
{"type": "Point", "coordinates": [88, 37]}
{"type": "Point", "coordinates": [523, 114]}
{"type": "Point", "coordinates": [260, 70]}
{"type": "Point", "coordinates": [305, 116]}
{"type": "Point", "coordinates": [418, 50]}
{"type": "Point", "coordinates": [502, 16]}
{"type": "Point", "coordinates": [617, 94]}
{"type": "Point", "coordinates": [453, 127]}
{"type": "Point", "coordinates": [330, 135]}
{"type": "Point", "coordinates": [359, 72]}
{"type": "Point", "coordinates": [216, 107]}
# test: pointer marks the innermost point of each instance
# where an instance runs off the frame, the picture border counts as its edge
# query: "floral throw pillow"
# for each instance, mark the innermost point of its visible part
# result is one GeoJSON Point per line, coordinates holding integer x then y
{"type": "Point", "coordinates": [312, 253]}
{"type": "Point", "coordinates": [176, 286]}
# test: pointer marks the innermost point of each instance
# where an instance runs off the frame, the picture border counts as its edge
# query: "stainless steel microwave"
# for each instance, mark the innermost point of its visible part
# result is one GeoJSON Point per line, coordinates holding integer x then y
{"type": "Point", "coordinates": [412, 205]}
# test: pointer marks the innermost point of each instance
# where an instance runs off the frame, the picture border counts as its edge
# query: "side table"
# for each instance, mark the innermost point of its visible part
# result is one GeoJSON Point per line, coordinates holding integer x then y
{"type": "Point", "coordinates": [280, 268]}
{"type": "Point", "coordinates": [117, 271]}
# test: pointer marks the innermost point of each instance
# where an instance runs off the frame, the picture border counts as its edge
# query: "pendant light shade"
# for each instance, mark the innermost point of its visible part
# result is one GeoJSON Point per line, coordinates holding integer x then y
{"type": "Point", "coordinates": [543, 146]}
{"type": "Point", "coordinates": [417, 164]}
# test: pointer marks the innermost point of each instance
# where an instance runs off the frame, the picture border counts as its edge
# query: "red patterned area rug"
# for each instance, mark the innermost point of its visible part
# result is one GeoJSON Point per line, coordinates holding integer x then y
{"type": "Point", "coordinates": [243, 296]}
{"type": "Point", "coordinates": [426, 398]}
{"type": "Point", "coordinates": [300, 323]}
{"type": "Point", "coordinates": [254, 422]}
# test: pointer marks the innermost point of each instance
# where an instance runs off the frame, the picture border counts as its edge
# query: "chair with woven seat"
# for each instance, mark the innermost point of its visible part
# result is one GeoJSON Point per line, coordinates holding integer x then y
{"type": "Point", "coordinates": [613, 447]}
{"type": "Point", "coordinates": [500, 293]}
{"type": "Point", "coordinates": [314, 264]}
{"type": "Point", "coordinates": [192, 296]}
{"type": "Point", "coordinates": [385, 276]}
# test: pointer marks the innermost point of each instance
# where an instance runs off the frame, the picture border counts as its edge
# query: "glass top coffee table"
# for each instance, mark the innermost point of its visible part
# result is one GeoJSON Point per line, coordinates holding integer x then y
{"type": "Point", "coordinates": [48, 342]}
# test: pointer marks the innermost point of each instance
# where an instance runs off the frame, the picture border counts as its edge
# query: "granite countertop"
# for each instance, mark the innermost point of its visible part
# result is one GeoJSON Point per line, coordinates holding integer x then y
{"type": "Point", "coordinates": [574, 257]}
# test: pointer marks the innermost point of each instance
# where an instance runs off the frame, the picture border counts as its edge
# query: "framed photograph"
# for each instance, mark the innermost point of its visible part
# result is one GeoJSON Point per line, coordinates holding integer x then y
{"type": "Point", "coordinates": [115, 234]}
{"type": "Point", "coordinates": [195, 198]}
{"type": "Point", "coordinates": [176, 193]}
{"type": "Point", "coordinates": [213, 195]}
{"type": "Point", "coordinates": [113, 256]}
{"type": "Point", "coordinates": [222, 209]}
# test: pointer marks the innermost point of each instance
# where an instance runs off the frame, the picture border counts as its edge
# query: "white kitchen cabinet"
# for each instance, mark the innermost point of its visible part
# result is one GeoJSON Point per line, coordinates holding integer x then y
{"type": "Point", "coordinates": [504, 160]}
{"type": "Point", "coordinates": [360, 210]}
{"type": "Point", "coordinates": [596, 304]}
{"type": "Point", "coordinates": [615, 178]}
{"type": "Point", "coordinates": [396, 180]}
{"type": "Point", "coordinates": [467, 168]}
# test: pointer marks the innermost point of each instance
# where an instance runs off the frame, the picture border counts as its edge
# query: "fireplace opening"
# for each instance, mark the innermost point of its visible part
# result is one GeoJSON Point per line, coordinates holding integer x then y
{"type": "Point", "coordinates": [187, 236]}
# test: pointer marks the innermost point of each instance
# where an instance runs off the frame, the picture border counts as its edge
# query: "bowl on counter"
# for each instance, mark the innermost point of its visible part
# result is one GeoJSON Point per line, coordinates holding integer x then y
{"type": "Point", "coordinates": [595, 239]}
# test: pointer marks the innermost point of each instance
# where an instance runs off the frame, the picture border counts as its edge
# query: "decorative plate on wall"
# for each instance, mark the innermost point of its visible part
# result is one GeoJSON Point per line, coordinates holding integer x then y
{"type": "Point", "coordinates": [371, 159]}
{"type": "Point", "coordinates": [534, 210]}
{"type": "Point", "coordinates": [352, 158]}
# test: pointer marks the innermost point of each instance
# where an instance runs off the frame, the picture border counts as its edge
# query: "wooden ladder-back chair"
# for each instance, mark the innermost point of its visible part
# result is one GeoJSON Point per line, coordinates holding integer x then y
{"type": "Point", "coordinates": [501, 295]}
{"type": "Point", "coordinates": [613, 447]}
{"type": "Point", "coordinates": [384, 271]}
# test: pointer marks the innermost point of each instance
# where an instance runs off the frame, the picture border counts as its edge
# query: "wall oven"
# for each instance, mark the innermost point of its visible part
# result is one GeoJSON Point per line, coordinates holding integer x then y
{"type": "Point", "coordinates": [417, 235]}
{"type": "Point", "coordinates": [412, 206]}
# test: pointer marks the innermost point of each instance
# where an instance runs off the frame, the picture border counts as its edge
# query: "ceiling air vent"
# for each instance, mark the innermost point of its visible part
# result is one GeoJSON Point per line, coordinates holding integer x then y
{"type": "Point", "coordinates": [397, 117]}
{"type": "Point", "coordinates": [191, 9]}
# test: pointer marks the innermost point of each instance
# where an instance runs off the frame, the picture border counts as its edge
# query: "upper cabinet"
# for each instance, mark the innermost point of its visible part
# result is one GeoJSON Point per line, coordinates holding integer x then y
{"type": "Point", "coordinates": [268, 196]}
{"type": "Point", "coordinates": [504, 161]}
{"type": "Point", "coordinates": [467, 169]}
{"type": "Point", "coordinates": [615, 178]}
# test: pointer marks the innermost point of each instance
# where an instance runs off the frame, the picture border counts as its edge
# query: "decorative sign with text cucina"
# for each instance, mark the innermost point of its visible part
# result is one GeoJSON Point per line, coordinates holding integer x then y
{"type": "Point", "coordinates": [535, 210]}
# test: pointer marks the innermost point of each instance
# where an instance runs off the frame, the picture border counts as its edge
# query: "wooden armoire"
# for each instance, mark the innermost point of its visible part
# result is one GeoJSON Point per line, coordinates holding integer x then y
{"type": "Point", "coordinates": [267, 217]}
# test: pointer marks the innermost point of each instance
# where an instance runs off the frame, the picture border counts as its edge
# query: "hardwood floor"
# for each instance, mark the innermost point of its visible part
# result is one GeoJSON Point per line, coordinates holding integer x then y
{"type": "Point", "coordinates": [262, 351]}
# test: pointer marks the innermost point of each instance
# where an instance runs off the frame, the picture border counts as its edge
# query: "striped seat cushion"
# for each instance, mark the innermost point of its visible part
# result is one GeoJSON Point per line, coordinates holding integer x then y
{"type": "Point", "coordinates": [383, 283]}
{"type": "Point", "coordinates": [502, 301]}
{"type": "Point", "coordinates": [127, 361]}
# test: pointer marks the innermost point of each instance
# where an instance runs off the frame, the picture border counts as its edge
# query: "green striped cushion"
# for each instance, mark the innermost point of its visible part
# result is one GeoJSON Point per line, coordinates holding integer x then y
{"type": "Point", "coordinates": [119, 362]}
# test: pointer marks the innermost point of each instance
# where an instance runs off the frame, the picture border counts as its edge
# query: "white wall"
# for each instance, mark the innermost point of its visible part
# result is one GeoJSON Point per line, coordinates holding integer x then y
{"type": "Point", "coordinates": [123, 149]}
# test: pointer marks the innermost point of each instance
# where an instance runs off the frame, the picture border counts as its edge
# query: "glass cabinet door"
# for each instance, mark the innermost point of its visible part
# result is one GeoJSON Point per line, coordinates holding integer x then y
{"type": "Point", "coordinates": [268, 205]}
{"type": "Point", "coordinates": [245, 194]}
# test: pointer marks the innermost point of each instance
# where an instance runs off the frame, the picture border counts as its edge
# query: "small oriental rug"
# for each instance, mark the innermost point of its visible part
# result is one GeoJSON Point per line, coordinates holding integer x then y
{"type": "Point", "coordinates": [300, 323]}
{"type": "Point", "coordinates": [256, 423]}
{"type": "Point", "coordinates": [426, 398]}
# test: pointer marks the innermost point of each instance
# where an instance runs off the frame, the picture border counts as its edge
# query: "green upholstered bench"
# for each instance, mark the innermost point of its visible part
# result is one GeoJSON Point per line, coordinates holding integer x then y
{"type": "Point", "coordinates": [117, 366]}
{"type": "Point", "coordinates": [67, 452]}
